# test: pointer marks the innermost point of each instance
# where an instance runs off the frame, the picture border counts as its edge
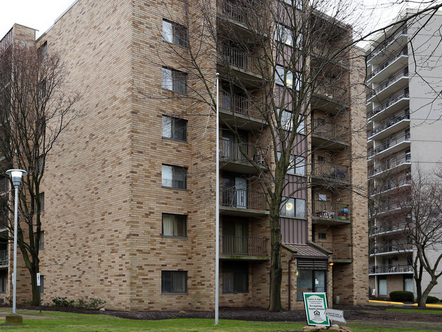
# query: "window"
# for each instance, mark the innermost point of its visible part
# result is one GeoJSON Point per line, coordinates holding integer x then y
{"type": "Point", "coordinates": [174, 177]}
{"type": "Point", "coordinates": [322, 236]}
{"type": "Point", "coordinates": [235, 277]}
{"type": "Point", "coordinates": [174, 33]}
{"type": "Point", "coordinates": [296, 3]}
{"type": "Point", "coordinates": [42, 202]}
{"type": "Point", "coordinates": [174, 282]}
{"type": "Point", "coordinates": [310, 281]}
{"type": "Point", "coordinates": [43, 50]}
{"type": "Point", "coordinates": [175, 128]}
{"type": "Point", "coordinates": [283, 34]}
{"type": "Point", "coordinates": [286, 119]}
{"type": "Point", "coordinates": [284, 77]}
{"type": "Point", "coordinates": [293, 208]}
{"type": "Point", "coordinates": [174, 80]}
{"type": "Point", "coordinates": [3, 276]}
{"type": "Point", "coordinates": [297, 166]}
{"type": "Point", "coordinates": [174, 225]}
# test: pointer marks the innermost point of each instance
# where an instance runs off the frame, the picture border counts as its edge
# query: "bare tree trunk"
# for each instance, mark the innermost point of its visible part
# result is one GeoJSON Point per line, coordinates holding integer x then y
{"type": "Point", "coordinates": [276, 266]}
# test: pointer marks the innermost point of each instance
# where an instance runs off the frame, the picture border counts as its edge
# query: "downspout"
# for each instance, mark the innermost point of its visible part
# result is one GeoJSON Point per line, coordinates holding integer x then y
{"type": "Point", "coordinates": [290, 278]}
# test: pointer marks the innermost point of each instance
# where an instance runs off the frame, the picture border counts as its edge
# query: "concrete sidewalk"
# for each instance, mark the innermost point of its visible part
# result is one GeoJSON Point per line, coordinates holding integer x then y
{"type": "Point", "coordinates": [4, 314]}
{"type": "Point", "coordinates": [401, 304]}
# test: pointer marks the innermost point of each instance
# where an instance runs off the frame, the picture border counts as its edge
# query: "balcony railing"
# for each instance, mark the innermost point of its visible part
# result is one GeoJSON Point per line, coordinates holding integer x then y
{"type": "Point", "coordinates": [332, 92]}
{"type": "Point", "coordinates": [378, 229]}
{"type": "Point", "coordinates": [391, 268]}
{"type": "Point", "coordinates": [390, 122]}
{"type": "Point", "coordinates": [387, 62]}
{"type": "Point", "coordinates": [240, 59]}
{"type": "Point", "coordinates": [392, 141]}
{"type": "Point", "coordinates": [244, 199]}
{"type": "Point", "coordinates": [329, 210]}
{"type": "Point", "coordinates": [234, 11]}
{"type": "Point", "coordinates": [330, 131]}
{"type": "Point", "coordinates": [391, 183]}
{"type": "Point", "coordinates": [235, 103]}
{"type": "Point", "coordinates": [231, 152]}
{"type": "Point", "coordinates": [390, 101]}
{"type": "Point", "coordinates": [390, 163]}
{"type": "Point", "coordinates": [390, 248]}
{"type": "Point", "coordinates": [388, 82]}
{"type": "Point", "coordinates": [244, 246]}
{"type": "Point", "coordinates": [3, 257]}
{"type": "Point", "coordinates": [386, 42]}
{"type": "Point", "coordinates": [339, 250]}
{"type": "Point", "coordinates": [330, 171]}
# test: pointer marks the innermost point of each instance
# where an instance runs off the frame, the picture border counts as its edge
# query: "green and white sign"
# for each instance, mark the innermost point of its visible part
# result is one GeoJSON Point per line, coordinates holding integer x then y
{"type": "Point", "coordinates": [315, 306]}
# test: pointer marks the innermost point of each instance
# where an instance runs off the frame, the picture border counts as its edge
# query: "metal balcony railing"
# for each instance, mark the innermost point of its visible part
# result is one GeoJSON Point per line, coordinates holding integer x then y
{"type": "Point", "coordinates": [234, 11]}
{"type": "Point", "coordinates": [391, 183]}
{"type": "Point", "coordinates": [391, 121]}
{"type": "Point", "coordinates": [244, 199]}
{"type": "Point", "coordinates": [390, 163]}
{"type": "Point", "coordinates": [330, 131]}
{"type": "Point", "coordinates": [387, 62]}
{"type": "Point", "coordinates": [3, 257]}
{"type": "Point", "coordinates": [378, 229]}
{"type": "Point", "coordinates": [332, 92]}
{"type": "Point", "coordinates": [239, 58]}
{"type": "Point", "coordinates": [390, 101]}
{"type": "Point", "coordinates": [392, 141]}
{"type": "Point", "coordinates": [330, 171]}
{"type": "Point", "coordinates": [244, 246]}
{"type": "Point", "coordinates": [386, 42]}
{"type": "Point", "coordinates": [329, 210]}
{"type": "Point", "coordinates": [235, 103]}
{"type": "Point", "coordinates": [391, 268]}
{"type": "Point", "coordinates": [339, 250]}
{"type": "Point", "coordinates": [390, 248]}
{"type": "Point", "coordinates": [231, 152]}
{"type": "Point", "coordinates": [388, 82]}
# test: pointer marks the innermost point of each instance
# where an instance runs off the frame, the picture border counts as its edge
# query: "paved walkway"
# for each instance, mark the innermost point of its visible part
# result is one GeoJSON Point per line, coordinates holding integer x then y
{"type": "Point", "coordinates": [400, 304]}
{"type": "Point", "coordinates": [4, 314]}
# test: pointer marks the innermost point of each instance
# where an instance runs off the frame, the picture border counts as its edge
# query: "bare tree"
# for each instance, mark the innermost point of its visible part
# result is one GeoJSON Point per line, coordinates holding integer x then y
{"type": "Point", "coordinates": [35, 108]}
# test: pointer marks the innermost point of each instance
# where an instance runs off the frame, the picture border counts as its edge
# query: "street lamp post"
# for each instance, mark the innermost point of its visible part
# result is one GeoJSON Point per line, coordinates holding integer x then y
{"type": "Point", "coordinates": [16, 175]}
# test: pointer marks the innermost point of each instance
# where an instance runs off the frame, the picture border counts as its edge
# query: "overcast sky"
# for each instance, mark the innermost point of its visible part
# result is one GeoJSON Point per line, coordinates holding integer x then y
{"type": "Point", "coordinates": [41, 14]}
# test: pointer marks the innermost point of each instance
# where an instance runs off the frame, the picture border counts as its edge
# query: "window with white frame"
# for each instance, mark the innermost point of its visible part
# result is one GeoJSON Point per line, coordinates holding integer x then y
{"type": "Point", "coordinates": [174, 177]}
{"type": "Point", "coordinates": [283, 34]}
{"type": "Point", "coordinates": [174, 225]}
{"type": "Point", "coordinates": [174, 80]}
{"type": "Point", "coordinates": [173, 282]}
{"type": "Point", "coordinates": [293, 208]}
{"type": "Point", "coordinates": [174, 128]}
{"type": "Point", "coordinates": [174, 33]}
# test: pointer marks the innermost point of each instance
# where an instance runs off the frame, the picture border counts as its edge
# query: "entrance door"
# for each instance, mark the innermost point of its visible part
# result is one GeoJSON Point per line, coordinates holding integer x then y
{"type": "Point", "coordinates": [382, 286]}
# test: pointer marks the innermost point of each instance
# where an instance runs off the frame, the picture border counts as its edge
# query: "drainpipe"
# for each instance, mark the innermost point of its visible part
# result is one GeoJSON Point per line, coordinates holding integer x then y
{"type": "Point", "coordinates": [290, 278]}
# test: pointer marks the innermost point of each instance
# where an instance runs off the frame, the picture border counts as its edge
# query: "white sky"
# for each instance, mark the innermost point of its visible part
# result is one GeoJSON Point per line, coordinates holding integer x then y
{"type": "Point", "coordinates": [36, 14]}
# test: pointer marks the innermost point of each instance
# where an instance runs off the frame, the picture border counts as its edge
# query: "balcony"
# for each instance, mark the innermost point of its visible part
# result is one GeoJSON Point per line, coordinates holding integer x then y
{"type": "Point", "coordinates": [391, 105]}
{"type": "Point", "coordinates": [378, 52]}
{"type": "Point", "coordinates": [399, 80]}
{"type": "Point", "coordinates": [391, 269]}
{"type": "Point", "coordinates": [393, 144]}
{"type": "Point", "coordinates": [3, 258]}
{"type": "Point", "coordinates": [329, 97]}
{"type": "Point", "coordinates": [243, 62]}
{"type": "Point", "coordinates": [329, 135]}
{"type": "Point", "coordinates": [244, 246]}
{"type": "Point", "coordinates": [399, 162]}
{"type": "Point", "coordinates": [328, 213]}
{"type": "Point", "coordinates": [395, 62]}
{"type": "Point", "coordinates": [387, 249]}
{"type": "Point", "coordinates": [235, 161]}
{"type": "Point", "coordinates": [238, 111]}
{"type": "Point", "coordinates": [243, 202]}
{"type": "Point", "coordinates": [395, 122]}
{"type": "Point", "coordinates": [386, 229]}
{"type": "Point", "coordinates": [232, 10]}
{"type": "Point", "coordinates": [341, 251]}
{"type": "Point", "coordinates": [391, 184]}
{"type": "Point", "coordinates": [330, 172]}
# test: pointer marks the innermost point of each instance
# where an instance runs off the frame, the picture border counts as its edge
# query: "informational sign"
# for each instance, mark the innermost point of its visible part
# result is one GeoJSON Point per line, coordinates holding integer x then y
{"type": "Point", "coordinates": [38, 279]}
{"type": "Point", "coordinates": [315, 307]}
{"type": "Point", "coordinates": [335, 315]}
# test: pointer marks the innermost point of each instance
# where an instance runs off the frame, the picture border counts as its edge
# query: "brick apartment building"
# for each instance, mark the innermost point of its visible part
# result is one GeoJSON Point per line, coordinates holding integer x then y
{"type": "Point", "coordinates": [130, 190]}
{"type": "Point", "coordinates": [403, 138]}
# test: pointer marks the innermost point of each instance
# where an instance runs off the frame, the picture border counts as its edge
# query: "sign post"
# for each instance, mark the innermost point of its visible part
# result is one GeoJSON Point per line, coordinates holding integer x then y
{"type": "Point", "coordinates": [39, 290]}
{"type": "Point", "coordinates": [315, 307]}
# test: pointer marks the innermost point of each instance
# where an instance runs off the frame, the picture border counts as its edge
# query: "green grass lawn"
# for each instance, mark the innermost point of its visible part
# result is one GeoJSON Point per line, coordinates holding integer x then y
{"type": "Point", "coordinates": [69, 322]}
